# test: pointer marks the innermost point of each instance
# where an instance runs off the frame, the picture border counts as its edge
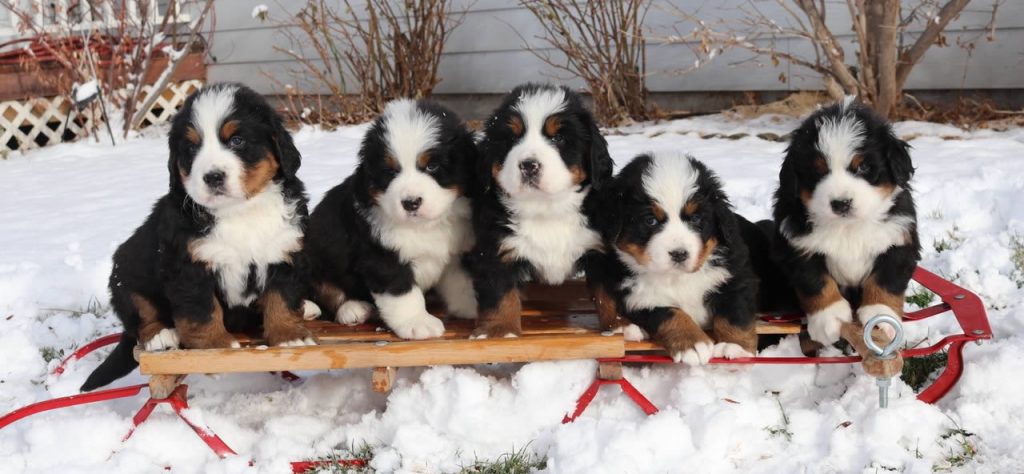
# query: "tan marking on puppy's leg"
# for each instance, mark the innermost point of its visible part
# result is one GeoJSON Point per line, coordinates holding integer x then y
{"type": "Point", "coordinates": [607, 312]}
{"type": "Point", "coordinates": [281, 324]}
{"type": "Point", "coordinates": [205, 335]}
{"type": "Point", "coordinates": [705, 252]}
{"type": "Point", "coordinates": [638, 252]}
{"type": "Point", "coordinates": [258, 175]}
{"type": "Point", "coordinates": [149, 318]}
{"type": "Point", "coordinates": [502, 321]}
{"type": "Point", "coordinates": [726, 332]}
{"type": "Point", "coordinates": [684, 340]}
{"type": "Point", "coordinates": [875, 294]}
{"type": "Point", "coordinates": [329, 297]}
{"type": "Point", "coordinates": [812, 303]}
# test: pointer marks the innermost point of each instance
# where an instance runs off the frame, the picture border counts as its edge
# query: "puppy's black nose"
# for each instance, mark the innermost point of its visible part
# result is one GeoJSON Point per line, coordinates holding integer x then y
{"type": "Point", "coordinates": [530, 168]}
{"type": "Point", "coordinates": [841, 206]}
{"type": "Point", "coordinates": [412, 204]}
{"type": "Point", "coordinates": [214, 179]}
{"type": "Point", "coordinates": [678, 256]}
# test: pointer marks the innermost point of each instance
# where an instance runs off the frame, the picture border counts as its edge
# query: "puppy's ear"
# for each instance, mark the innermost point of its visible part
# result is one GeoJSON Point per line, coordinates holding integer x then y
{"type": "Point", "coordinates": [599, 161]}
{"type": "Point", "coordinates": [789, 188]}
{"type": "Point", "coordinates": [898, 158]}
{"type": "Point", "coordinates": [287, 154]}
{"type": "Point", "coordinates": [487, 157]}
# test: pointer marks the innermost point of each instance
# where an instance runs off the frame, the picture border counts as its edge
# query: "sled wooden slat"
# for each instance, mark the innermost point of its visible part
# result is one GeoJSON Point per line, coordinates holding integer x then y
{"type": "Point", "coordinates": [396, 354]}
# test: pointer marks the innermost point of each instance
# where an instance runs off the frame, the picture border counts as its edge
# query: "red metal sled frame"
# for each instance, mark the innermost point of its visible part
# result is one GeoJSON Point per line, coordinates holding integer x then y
{"type": "Point", "coordinates": [966, 307]}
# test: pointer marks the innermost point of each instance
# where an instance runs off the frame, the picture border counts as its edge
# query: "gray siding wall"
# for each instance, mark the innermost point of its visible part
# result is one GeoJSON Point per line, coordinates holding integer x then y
{"type": "Point", "coordinates": [486, 55]}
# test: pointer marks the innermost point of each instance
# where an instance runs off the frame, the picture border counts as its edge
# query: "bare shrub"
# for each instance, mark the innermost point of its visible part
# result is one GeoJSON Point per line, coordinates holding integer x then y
{"type": "Point", "coordinates": [116, 44]}
{"type": "Point", "coordinates": [603, 43]}
{"type": "Point", "coordinates": [363, 58]}
{"type": "Point", "coordinates": [882, 59]}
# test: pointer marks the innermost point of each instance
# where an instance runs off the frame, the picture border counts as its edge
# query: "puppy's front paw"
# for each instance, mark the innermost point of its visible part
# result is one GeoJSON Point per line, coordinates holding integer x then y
{"type": "Point", "coordinates": [354, 312]}
{"type": "Point", "coordinates": [698, 354]}
{"type": "Point", "coordinates": [306, 341]}
{"type": "Point", "coordinates": [824, 326]}
{"type": "Point", "coordinates": [164, 340]}
{"type": "Point", "coordinates": [310, 310]}
{"type": "Point", "coordinates": [730, 350]}
{"type": "Point", "coordinates": [290, 336]}
{"type": "Point", "coordinates": [634, 333]}
{"type": "Point", "coordinates": [497, 330]}
{"type": "Point", "coordinates": [423, 326]}
{"type": "Point", "coordinates": [865, 313]}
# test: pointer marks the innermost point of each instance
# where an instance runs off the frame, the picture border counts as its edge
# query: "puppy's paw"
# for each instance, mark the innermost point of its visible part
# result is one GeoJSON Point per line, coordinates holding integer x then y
{"type": "Point", "coordinates": [824, 326]}
{"type": "Point", "coordinates": [634, 333]}
{"type": "Point", "coordinates": [164, 340]}
{"type": "Point", "coordinates": [497, 330]}
{"type": "Point", "coordinates": [865, 313]}
{"type": "Point", "coordinates": [290, 336]}
{"type": "Point", "coordinates": [730, 350]}
{"type": "Point", "coordinates": [699, 354]}
{"type": "Point", "coordinates": [310, 310]}
{"type": "Point", "coordinates": [307, 341]}
{"type": "Point", "coordinates": [354, 312]}
{"type": "Point", "coordinates": [423, 326]}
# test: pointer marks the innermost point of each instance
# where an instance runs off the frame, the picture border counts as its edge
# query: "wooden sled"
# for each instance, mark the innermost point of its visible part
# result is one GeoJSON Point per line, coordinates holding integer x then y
{"type": "Point", "coordinates": [558, 324]}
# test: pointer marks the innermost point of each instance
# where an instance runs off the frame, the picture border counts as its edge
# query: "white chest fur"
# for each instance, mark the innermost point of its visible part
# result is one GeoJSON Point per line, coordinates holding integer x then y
{"type": "Point", "coordinates": [551, 234]}
{"type": "Point", "coordinates": [850, 248]}
{"type": "Point", "coordinates": [259, 232]}
{"type": "Point", "coordinates": [427, 246]}
{"type": "Point", "coordinates": [686, 291]}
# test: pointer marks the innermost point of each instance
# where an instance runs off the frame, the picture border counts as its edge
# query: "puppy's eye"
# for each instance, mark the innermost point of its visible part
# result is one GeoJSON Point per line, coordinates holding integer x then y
{"type": "Point", "coordinates": [864, 169]}
{"type": "Point", "coordinates": [193, 149]}
{"type": "Point", "coordinates": [236, 142]}
{"type": "Point", "coordinates": [557, 139]}
{"type": "Point", "coordinates": [651, 221]}
{"type": "Point", "coordinates": [432, 167]}
{"type": "Point", "coordinates": [695, 219]}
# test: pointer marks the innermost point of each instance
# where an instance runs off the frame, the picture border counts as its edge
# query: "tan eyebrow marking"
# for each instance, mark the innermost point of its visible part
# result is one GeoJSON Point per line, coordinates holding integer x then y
{"type": "Point", "coordinates": [229, 128]}
{"type": "Point", "coordinates": [192, 135]}
{"type": "Point", "coordinates": [515, 124]}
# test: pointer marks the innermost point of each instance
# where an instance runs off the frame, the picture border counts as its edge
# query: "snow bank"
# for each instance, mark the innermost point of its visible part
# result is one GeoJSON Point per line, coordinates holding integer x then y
{"type": "Point", "coordinates": [65, 208]}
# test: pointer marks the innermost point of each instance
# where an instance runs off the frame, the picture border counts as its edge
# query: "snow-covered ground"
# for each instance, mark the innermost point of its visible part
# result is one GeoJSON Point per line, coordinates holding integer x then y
{"type": "Point", "coordinates": [64, 209]}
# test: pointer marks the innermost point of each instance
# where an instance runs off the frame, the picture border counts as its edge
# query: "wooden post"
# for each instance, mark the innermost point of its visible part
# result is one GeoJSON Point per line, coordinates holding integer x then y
{"type": "Point", "coordinates": [609, 370]}
{"type": "Point", "coordinates": [383, 377]}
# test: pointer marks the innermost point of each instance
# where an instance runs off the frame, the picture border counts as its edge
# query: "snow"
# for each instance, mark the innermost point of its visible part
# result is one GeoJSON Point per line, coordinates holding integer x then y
{"type": "Point", "coordinates": [86, 90]}
{"type": "Point", "coordinates": [65, 208]}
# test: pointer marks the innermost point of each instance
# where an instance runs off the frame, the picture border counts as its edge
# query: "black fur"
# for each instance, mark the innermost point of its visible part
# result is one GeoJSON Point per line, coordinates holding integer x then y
{"type": "Point", "coordinates": [155, 262]}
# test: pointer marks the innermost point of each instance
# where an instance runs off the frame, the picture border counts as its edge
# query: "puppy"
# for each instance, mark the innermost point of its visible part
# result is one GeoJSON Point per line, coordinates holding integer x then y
{"type": "Point", "coordinates": [542, 155]}
{"type": "Point", "coordinates": [845, 223]}
{"type": "Point", "coordinates": [678, 266]}
{"type": "Point", "coordinates": [222, 244]}
{"type": "Point", "coordinates": [398, 226]}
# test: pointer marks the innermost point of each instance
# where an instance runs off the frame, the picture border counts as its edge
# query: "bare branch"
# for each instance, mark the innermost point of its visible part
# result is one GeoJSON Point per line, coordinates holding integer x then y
{"type": "Point", "coordinates": [909, 57]}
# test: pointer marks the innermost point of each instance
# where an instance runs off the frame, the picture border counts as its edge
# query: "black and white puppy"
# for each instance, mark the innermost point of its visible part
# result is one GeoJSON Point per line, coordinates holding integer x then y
{"type": "Point", "coordinates": [222, 244]}
{"type": "Point", "coordinates": [846, 228]}
{"type": "Point", "coordinates": [542, 155]}
{"type": "Point", "coordinates": [399, 225]}
{"type": "Point", "coordinates": [679, 267]}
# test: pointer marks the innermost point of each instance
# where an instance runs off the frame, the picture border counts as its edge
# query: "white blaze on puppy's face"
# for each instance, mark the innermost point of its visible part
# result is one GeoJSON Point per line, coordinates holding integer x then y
{"type": "Point", "coordinates": [413, 194]}
{"type": "Point", "coordinates": [535, 149]}
{"type": "Point", "coordinates": [670, 181]}
{"type": "Point", "coordinates": [215, 179]}
{"type": "Point", "coordinates": [839, 142]}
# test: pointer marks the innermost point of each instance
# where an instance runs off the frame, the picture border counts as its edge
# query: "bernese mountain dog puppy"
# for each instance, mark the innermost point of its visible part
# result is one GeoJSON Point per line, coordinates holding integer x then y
{"type": "Point", "coordinates": [542, 156]}
{"type": "Point", "coordinates": [222, 247]}
{"type": "Point", "coordinates": [678, 265]}
{"type": "Point", "coordinates": [399, 225]}
{"type": "Point", "coordinates": [845, 223]}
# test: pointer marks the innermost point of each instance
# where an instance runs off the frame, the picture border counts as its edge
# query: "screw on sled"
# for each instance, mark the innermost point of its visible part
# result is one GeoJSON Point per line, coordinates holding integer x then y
{"type": "Point", "coordinates": [558, 324]}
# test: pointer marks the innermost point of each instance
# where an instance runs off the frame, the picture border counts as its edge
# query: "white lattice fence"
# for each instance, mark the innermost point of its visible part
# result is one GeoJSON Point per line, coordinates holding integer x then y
{"type": "Point", "coordinates": [33, 123]}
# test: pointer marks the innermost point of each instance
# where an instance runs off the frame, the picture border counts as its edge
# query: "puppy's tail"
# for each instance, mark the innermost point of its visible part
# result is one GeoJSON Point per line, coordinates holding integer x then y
{"type": "Point", "coordinates": [119, 363]}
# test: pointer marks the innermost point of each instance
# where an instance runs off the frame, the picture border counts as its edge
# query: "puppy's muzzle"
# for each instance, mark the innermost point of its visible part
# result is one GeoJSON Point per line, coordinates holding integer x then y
{"type": "Point", "coordinates": [530, 171]}
{"type": "Point", "coordinates": [679, 256]}
{"type": "Point", "coordinates": [841, 207]}
{"type": "Point", "coordinates": [215, 181]}
{"type": "Point", "coordinates": [411, 205]}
